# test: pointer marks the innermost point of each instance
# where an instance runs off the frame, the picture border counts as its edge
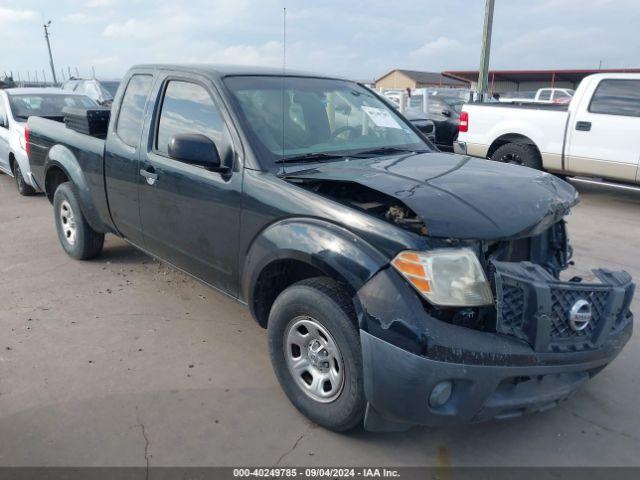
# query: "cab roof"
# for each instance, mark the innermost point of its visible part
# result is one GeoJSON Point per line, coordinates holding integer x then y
{"type": "Point", "coordinates": [221, 71]}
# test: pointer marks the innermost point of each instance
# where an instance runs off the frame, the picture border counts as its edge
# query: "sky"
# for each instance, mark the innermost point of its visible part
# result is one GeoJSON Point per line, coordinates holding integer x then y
{"type": "Point", "coordinates": [358, 39]}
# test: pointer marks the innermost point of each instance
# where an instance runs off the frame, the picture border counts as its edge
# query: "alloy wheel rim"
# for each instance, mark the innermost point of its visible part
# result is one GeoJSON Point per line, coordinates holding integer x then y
{"type": "Point", "coordinates": [314, 359]}
{"type": "Point", "coordinates": [68, 222]}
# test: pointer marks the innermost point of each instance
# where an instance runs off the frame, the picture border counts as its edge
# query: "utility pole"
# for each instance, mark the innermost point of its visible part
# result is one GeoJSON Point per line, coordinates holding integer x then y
{"type": "Point", "coordinates": [483, 74]}
{"type": "Point", "coordinates": [46, 36]}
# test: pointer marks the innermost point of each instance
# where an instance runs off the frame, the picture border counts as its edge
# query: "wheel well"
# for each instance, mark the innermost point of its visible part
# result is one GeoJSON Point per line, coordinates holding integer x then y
{"type": "Point", "coordinates": [275, 278]}
{"type": "Point", "coordinates": [55, 176]}
{"type": "Point", "coordinates": [509, 138]}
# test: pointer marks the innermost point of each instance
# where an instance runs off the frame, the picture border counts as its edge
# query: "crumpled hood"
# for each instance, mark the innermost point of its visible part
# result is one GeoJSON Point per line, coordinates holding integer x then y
{"type": "Point", "coordinates": [459, 196]}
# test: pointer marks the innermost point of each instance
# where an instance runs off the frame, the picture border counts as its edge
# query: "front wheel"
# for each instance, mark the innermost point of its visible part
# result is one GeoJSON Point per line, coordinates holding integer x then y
{"type": "Point", "coordinates": [76, 236]}
{"type": "Point", "coordinates": [23, 188]}
{"type": "Point", "coordinates": [315, 352]}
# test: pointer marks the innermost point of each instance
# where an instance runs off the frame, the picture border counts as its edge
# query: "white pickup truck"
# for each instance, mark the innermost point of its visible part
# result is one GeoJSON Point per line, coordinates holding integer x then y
{"type": "Point", "coordinates": [596, 135]}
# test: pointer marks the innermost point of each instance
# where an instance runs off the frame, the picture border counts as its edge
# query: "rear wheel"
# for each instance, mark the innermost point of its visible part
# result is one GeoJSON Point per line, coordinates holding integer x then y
{"type": "Point", "coordinates": [77, 238]}
{"type": "Point", "coordinates": [518, 154]}
{"type": "Point", "coordinates": [23, 188]}
{"type": "Point", "coordinates": [315, 352]}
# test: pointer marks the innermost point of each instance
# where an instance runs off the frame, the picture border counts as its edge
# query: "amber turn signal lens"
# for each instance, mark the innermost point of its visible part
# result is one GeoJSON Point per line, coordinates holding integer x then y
{"type": "Point", "coordinates": [409, 257]}
{"type": "Point", "coordinates": [409, 268]}
{"type": "Point", "coordinates": [421, 284]}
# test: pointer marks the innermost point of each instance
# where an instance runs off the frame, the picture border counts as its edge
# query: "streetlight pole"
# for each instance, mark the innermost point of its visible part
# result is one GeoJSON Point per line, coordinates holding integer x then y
{"type": "Point", "coordinates": [483, 74]}
{"type": "Point", "coordinates": [46, 36]}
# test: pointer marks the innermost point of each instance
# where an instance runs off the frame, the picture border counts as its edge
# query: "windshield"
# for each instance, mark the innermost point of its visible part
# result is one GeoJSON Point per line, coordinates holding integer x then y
{"type": "Point", "coordinates": [455, 103]}
{"type": "Point", "coordinates": [24, 106]}
{"type": "Point", "coordinates": [111, 87]}
{"type": "Point", "coordinates": [295, 116]}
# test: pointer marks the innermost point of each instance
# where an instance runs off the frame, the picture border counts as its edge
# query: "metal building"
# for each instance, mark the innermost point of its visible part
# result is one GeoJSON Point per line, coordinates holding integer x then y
{"type": "Point", "coordinates": [526, 80]}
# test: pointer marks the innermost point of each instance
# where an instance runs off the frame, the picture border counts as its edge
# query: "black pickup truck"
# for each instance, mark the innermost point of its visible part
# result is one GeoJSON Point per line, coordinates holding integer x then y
{"type": "Point", "coordinates": [399, 285]}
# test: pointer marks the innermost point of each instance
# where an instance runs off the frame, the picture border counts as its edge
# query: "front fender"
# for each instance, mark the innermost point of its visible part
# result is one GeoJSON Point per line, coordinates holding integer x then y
{"type": "Point", "coordinates": [61, 157]}
{"type": "Point", "coordinates": [329, 247]}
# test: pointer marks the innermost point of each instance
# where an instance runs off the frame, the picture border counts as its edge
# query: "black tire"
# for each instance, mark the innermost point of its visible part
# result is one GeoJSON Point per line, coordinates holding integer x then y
{"type": "Point", "coordinates": [324, 301]}
{"type": "Point", "coordinates": [519, 154]}
{"type": "Point", "coordinates": [23, 188]}
{"type": "Point", "coordinates": [85, 243]}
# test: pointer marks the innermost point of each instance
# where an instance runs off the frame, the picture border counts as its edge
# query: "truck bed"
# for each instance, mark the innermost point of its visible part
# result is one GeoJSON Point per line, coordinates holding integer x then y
{"type": "Point", "coordinates": [524, 105]}
{"type": "Point", "coordinates": [542, 125]}
{"type": "Point", "coordinates": [46, 133]}
{"type": "Point", "coordinates": [88, 151]}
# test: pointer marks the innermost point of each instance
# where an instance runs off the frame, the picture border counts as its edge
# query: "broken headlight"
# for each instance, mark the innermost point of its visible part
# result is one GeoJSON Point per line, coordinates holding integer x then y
{"type": "Point", "coordinates": [447, 277]}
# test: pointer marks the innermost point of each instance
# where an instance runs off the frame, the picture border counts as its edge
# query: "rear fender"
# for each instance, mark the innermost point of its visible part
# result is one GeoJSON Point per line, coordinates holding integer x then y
{"type": "Point", "coordinates": [61, 157]}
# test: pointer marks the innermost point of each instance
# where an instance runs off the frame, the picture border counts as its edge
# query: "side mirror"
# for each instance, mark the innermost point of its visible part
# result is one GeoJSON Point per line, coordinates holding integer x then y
{"type": "Point", "coordinates": [195, 149]}
{"type": "Point", "coordinates": [3, 121]}
{"type": "Point", "coordinates": [446, 113]}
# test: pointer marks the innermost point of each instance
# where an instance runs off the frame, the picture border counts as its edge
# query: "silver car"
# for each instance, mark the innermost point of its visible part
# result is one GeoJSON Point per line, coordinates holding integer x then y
{"type": "Point", "coordinates": [16, 106]}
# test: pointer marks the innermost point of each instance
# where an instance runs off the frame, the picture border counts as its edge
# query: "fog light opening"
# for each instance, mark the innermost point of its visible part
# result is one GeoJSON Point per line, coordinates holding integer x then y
{"type": "Point", "coordinates": [440, 394]}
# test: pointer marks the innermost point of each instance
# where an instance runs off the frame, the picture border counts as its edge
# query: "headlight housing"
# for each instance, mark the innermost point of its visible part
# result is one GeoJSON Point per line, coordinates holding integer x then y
{"type": "Point", "coordinates": [446, 277]}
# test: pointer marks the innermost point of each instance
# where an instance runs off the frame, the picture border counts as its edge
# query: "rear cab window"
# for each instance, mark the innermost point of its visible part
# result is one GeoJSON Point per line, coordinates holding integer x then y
{"type": "Point", "coordinates": [617, 97]}
{"type": "Point", "coordinates": [558, 94]}
{"type": "Point", "coordinates": [131, 115]}
{"type": "Point", "coordinates": [544, 95]}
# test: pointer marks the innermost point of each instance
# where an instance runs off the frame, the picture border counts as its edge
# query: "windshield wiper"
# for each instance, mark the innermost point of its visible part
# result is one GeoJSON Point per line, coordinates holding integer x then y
{"type": "Point", "coordinates": [310, 157]}
{"type": "Point", "coordinates": [387, 151]}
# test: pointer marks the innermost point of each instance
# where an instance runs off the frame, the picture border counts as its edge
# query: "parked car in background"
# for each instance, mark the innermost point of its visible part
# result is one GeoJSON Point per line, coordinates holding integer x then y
{"type": "Point", "coordinates": [596, 135]}
{"type": "Point", "coordinates": [394, 96]}
{"type": "Point", "coordinates": [554, 95]}
{"type": "Point", "coordinates": [398, 285]}
{"type": "Point", "coordinates": [445, 114]}
{"type": "Point", "coordinates": [542, 95]}
{"type": "Point", "coordinates": [101, 91]}
{"type": "Point", "coordinates": [517, 97]}
{"type": "Point", "coordinates": [423, 123]}
{"type": "Point", "coordinates": [16, 106]}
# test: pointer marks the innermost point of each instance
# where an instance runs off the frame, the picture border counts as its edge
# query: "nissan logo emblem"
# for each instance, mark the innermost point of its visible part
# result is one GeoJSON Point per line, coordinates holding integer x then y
{"type": "Point", "coordinates": [580, 315]}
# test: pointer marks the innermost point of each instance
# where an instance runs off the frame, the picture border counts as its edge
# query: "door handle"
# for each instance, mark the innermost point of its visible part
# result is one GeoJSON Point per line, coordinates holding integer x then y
{"type": "Point", "coordinates": [149, 174]}
{"type": "Point", "coordinates": [583, 126]}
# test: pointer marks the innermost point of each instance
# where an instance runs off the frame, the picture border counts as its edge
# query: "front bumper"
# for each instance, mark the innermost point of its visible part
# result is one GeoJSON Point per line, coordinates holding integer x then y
{"type": "Point", "coordinates": [407, 353]}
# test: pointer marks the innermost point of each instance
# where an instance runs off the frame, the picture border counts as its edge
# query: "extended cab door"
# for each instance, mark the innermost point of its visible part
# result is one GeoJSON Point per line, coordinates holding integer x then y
{"type": "Point", "coordinates": [190, 215]}
{"type": "Point", "coordinates": [603, 136]}
{"type": "Point", "coordinates": [122, 155]}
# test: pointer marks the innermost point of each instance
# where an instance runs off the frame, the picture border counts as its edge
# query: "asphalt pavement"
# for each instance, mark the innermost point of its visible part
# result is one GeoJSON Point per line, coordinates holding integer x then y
{"type": "Point", "coordinates": [124, 361]}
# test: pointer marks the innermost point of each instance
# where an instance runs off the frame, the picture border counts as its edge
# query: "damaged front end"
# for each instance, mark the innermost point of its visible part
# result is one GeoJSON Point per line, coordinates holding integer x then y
{"type": "Point", "coordinates": [445, 196]}
{"type": "Point", "coordinates": [538, 342]}
{"type": "Point", "coordinates": [366, 200]}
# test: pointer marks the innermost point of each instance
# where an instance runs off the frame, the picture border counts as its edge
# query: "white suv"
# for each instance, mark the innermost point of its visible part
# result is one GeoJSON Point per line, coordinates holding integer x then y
{"type": "Point", "coordinates": [16, 106]}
